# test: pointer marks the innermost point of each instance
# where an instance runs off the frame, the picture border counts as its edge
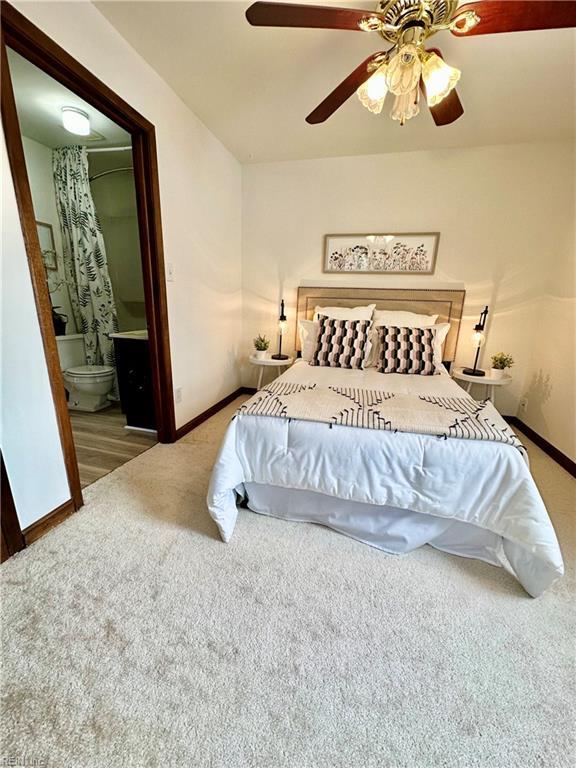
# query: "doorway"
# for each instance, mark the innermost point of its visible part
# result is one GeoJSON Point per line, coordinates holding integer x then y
{"type": "Point", "coordinates": [108, 329]}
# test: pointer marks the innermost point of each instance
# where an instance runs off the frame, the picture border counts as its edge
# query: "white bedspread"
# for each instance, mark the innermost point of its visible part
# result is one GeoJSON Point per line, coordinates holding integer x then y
{"type": "Point", "coordinates": [484, 484]}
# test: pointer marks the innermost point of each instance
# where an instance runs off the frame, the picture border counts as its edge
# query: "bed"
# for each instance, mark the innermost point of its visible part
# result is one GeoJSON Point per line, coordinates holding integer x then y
{"type": "Point", "coordinates": [391, 489]}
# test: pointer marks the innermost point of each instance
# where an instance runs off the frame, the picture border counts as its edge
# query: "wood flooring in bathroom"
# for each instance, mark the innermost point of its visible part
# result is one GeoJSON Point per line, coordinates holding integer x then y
{"type": "Point", "coordinates": [102, 443]}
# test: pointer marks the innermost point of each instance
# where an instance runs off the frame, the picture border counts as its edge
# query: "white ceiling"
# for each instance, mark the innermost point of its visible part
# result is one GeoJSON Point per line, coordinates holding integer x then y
{"type": "Point", "coordinates": [253, 87]}
{"type": "Point", "coordinates": [39, 101]}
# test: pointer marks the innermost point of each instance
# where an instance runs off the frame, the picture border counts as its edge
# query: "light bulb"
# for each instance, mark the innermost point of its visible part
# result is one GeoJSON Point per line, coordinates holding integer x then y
{"type": "Point", "coordinates": [405, 106]}
{"type": "Point", "coordinates": [478, 339]}
{"type": "Point", "coordinates": [282, 326]}
{"type": "Point", "coordinates": [76, 121]}
{"type": "Point", "coordinates": [373, 92]}
{"type": "Point", "coordinates": [403, 71]}
{"type": "Point", "coordinates": [439, 78]}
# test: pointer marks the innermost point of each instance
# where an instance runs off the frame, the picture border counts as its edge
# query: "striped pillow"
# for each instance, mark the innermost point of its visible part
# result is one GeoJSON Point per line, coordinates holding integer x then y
{"type": "Point", "coordinates": [340, 343]}
{"type": "Point", "coordinates": [406, 350]}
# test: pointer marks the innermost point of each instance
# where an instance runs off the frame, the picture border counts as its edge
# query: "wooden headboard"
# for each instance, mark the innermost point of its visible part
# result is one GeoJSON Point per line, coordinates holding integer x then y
{"type": "Point", "coordinates": [425, 301]}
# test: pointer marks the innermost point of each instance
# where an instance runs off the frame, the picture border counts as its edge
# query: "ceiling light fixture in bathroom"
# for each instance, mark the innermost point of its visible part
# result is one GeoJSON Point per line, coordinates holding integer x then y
{"type": "Point", "coordinates": [75, 121]}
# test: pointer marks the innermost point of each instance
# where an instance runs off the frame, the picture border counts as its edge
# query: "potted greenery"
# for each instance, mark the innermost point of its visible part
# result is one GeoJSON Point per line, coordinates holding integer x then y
{"type": "Point", "coordinates": [261, 344]}
{"type": "Point", "coordinates": [500, 362]}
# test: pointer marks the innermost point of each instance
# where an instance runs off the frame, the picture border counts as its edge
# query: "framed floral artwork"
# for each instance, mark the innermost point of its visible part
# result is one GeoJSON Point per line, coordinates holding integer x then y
{"type": "Point", "coordinates": [394, 254]}
{"type": "Point", "coordinates": [46, 239]}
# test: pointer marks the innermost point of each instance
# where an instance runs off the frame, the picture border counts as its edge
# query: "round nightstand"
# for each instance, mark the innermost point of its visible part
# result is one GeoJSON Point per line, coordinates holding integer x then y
{"type": "Point", "coordinates": [488, 381]}
{"type": "Point", "coordinates": [268, 362]}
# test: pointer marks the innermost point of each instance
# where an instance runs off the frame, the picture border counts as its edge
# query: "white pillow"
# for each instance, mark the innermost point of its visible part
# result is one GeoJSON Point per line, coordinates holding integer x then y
{"type": "Point", "coordinates": [372, 347]}
{"type": "Point", "coordinates": [373, 344]}
{"type": "Point", "coordinates": [308, 330]}
{"type": "Point", "coordinates": [346, 313]}
{"type": "Point", "coordinates": [402, 319]}
{"type": "Point", "coordinates": [442, 330]}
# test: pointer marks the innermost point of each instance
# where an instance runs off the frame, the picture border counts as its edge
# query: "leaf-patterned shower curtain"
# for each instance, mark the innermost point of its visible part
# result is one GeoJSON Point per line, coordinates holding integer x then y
{"type": "Point", "coordinates": [85, 264]}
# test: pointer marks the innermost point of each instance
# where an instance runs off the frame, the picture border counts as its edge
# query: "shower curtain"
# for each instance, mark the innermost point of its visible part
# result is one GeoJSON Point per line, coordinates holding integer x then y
{"type": "Point", "coordinates": [85, 264]}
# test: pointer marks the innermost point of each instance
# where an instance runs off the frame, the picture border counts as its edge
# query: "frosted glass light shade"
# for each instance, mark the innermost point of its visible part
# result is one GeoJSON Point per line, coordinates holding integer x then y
{"type": "Point", "coordinates": [282, 326]}
{"type": "Point", "coordinates": [405, 106]}
{"type": "Point", "coordinates": [373, 92]}
{"type": "Point", "coordinates": [403, 71]}
{"type": "Point", "coordinates": [439, 78]}
{"type": "Point", "coordinates": [75, 121]}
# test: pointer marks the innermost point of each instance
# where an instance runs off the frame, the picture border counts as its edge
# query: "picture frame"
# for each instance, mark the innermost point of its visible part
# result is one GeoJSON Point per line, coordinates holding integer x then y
{"type": "Point", "coordinates": [47, 245]}
{"type": "Point", "coordinates": [398, 253]}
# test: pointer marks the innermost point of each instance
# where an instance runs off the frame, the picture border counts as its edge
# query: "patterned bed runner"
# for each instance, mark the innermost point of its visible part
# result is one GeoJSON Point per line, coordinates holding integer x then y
{"type": "Point", "coordinates": [461, 417]}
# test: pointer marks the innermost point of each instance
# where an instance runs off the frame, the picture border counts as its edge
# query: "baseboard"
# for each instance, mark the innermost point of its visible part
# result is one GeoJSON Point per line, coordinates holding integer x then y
{"type": "Point", "coordinates": [197, 420]}
{"type": "Point", "coordinates": [49, 521]}
{"type": "Point", "coordinates": [559, 457]}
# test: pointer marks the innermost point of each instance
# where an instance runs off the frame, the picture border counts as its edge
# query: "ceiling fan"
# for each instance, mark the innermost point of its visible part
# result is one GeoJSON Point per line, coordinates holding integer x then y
{"type": "Point", "coordinates": [409, 69]}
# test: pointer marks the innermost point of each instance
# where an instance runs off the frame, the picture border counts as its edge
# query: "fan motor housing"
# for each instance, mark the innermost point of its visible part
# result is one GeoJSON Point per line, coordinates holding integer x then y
{"type": "Point", "coordinates": [397, 13]}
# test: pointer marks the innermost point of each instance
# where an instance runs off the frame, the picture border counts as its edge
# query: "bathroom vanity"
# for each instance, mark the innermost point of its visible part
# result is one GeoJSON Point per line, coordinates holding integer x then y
{"type": "Point", "coordinates": [133, 368]}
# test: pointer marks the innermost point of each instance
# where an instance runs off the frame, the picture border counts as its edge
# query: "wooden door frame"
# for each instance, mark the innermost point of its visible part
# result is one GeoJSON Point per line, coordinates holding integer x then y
{"type": "Point", "coordinates": [26, 39]}
{"type": "Point", "coordinates": [12, 537]}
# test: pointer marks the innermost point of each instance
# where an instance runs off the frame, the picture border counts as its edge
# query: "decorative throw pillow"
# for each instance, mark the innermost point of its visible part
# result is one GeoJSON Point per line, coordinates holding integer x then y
{"type": "Point", "coordinates": [340, 343]}
{"type": "Point", "coordinates": [406, 350]}
{"type": "Point", "coordinates": [441, 331]}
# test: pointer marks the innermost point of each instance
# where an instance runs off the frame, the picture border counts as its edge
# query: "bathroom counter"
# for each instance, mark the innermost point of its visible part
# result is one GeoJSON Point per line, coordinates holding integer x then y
{"type": "Point", "coordinates": [138, 335]}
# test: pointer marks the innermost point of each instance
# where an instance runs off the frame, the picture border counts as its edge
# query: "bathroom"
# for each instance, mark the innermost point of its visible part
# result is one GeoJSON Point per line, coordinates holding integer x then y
{"type": "Point", "coordinates": [80, 170]}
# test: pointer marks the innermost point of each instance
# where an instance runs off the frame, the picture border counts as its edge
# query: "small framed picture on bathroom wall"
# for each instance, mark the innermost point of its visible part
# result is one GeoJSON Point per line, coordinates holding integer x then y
{"type": "Point", "coordinates": [47, 246]}
{"type": "Point", "coordinates": [392, 253]}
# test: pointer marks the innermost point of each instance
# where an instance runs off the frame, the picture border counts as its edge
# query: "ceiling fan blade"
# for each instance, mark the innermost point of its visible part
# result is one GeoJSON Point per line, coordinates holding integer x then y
{"type": "Point", "coordinates": [312, 16]}
{"type": "Point", "coordinates": [342, 92]}
{"type": "Point", "coordinates": [517, 16]}
{"type": "Point", "coordinates": [450, 108]}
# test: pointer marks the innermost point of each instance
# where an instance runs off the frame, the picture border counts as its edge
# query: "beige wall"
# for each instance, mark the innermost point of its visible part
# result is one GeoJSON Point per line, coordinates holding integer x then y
{"type": "Point", "coordinates": [506, 217]}
{"type": "Point", "coordinates": [549, 382]}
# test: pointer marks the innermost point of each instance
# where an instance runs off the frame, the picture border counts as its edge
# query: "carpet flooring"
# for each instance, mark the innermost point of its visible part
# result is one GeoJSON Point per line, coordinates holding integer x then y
{"type": "Point", "coordinates": [132, 636]}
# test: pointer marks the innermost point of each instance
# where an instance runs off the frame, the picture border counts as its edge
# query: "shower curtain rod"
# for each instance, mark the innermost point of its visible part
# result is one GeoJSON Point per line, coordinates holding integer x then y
{"type": "Point", "coordinates": [113, 170]}
{"type": "Point", "coordinates": [109, 149]}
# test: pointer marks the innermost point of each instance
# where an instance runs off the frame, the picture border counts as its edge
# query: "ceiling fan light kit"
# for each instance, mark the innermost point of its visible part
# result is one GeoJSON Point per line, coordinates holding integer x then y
{"type": "Point", "coordinates": [402, 77]}
{"type": "Point", "coordinates": [373, 92]}
{"type": "Point", "coordinates": [408, 69]}
{"type": "Point", "coordinates": [405, 106]}
{"type": "Point", "coordinates": [404, 70]}
{"type": "Point", "coordinates": [439, 78]}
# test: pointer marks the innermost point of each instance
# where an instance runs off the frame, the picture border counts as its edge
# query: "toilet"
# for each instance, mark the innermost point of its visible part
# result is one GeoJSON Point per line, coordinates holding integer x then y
{"type": "Point", "coordinates": [88, 386]}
